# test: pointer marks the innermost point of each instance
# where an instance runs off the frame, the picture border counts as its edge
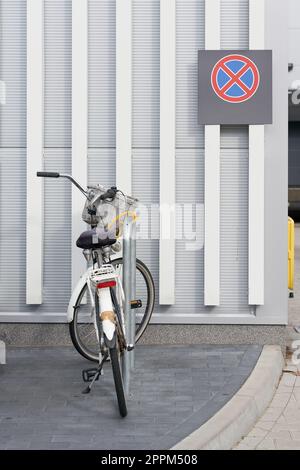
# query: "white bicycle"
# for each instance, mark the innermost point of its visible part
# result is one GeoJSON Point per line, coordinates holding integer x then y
{"type": "Point", "coordinates": [96, 308]}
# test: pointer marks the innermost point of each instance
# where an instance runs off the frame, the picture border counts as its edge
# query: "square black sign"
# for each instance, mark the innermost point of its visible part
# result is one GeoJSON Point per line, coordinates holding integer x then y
{"type": "Point", "coordinates": [235, 87]}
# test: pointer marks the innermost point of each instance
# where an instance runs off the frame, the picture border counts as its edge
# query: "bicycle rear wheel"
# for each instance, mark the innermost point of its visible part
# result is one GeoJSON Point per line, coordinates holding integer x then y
{"type": "Point", "coordinates": [82, 329]}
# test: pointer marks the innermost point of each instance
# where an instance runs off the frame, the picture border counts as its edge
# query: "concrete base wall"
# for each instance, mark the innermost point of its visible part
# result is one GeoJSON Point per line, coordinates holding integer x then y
{"type": "Point", "coordinates": [21, 334]}
{"type": "Point", "coordinates": [2, 353]}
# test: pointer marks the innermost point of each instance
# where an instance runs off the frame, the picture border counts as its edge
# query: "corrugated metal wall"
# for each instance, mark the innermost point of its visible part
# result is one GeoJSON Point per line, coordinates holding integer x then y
{"type": "Point", "coordinates": [101, 138]}
{"type": "Point", "coordinates": [13, 155]}
{"type": "Point", "coordinates": [234, 179]}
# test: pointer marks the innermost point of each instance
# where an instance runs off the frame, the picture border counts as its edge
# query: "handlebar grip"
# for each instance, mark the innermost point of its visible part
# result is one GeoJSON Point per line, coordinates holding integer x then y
{"type": "Point", "coordinates": [110, 194]}
{"type": "Point", "coordinates": [48, 174]}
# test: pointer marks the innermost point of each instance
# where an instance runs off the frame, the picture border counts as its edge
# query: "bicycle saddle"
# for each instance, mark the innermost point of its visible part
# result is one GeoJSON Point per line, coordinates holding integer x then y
{"type": "Point", "coordinates": [95, 238]}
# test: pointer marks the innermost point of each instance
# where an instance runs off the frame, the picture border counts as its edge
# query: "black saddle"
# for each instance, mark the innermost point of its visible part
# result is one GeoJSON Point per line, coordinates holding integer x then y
{"type": "Point", "coordinates": [95, 238]}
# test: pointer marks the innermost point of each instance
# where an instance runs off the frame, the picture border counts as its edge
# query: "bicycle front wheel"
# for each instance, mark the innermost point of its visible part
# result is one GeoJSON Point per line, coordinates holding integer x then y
{"type": "Point", "coordinates": [82, 328]}
{"type": "Point", "coordinates": [116, 368]}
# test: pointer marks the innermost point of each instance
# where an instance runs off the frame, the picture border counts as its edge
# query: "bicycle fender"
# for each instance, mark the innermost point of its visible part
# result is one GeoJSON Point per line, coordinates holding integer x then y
{"type": "Point", "coordinates": [110, 342]}
{"type": "Point", "coordinates": [109, 329]}
{"type": "Point", "coordinates": [78, 288]}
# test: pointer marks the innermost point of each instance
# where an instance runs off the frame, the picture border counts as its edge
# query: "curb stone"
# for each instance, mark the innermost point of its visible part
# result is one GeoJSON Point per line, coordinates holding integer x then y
{"type": "Point", "coordinates": [240, 414]}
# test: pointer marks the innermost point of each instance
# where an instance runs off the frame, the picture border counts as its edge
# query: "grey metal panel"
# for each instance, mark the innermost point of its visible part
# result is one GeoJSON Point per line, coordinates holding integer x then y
{"type": "Point", "coordinates": [276, 174]}
{"type": "Point", "coordinates": [234, 231]}
{"type": "Point", "coordinates": [234, 237]}
{"type": "Point", "coordinates": [234, 137]}
{"type": "Point", "coordinates": [101, 66]}
{"type": "Point", "coordinates": [101, 167]}
{"type": "Point", "coordinates": [234, 179]}
{"type": "Point", "coordinates": [190, 167]}
{"type": "Point", "coordinates": [145, 168]}
{"type": "Point", "coordinates": [102, 73]}
{"type": "Point", "coordinates": [234, 24]}
{"type": "Point", "coordinates": [58, 73]}
{"type": "Point", "coordinates": [12, 229]}
{"type": "Point", "coordinates": [146, 73]}
{"type": "Point", "coordinates": [294, 14]}
{"type": "Point", "coordinates": [189, 257]}
{"type": "Point", "coordinates": [13, 156]}
{"type": "Point", "coordinates": [190, 37]}
{"type": "Point", "coordinates": [13, 72]}
{"type": "Point", "coordinates": [57, 234]}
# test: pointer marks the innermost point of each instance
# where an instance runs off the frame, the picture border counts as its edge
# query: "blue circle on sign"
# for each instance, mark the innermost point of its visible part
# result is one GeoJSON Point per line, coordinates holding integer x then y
{"type": "Point", "coordinates": [235, 78]}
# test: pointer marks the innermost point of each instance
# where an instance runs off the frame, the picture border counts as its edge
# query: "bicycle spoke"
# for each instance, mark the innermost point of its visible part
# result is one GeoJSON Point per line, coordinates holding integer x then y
{"type": "Point", "coordinates": [89, 334]}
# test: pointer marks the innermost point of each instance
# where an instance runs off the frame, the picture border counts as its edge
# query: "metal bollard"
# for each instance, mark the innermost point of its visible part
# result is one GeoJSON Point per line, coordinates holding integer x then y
{"type": "Point", "coordinates": [133, 290]}
{"type": "Point", "coordinates": [127, 291]}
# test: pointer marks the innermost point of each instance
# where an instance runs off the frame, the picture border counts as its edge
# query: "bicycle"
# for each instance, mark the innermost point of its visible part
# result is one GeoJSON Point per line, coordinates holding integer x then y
{"type": "Point", "coordinates": [95, 312]}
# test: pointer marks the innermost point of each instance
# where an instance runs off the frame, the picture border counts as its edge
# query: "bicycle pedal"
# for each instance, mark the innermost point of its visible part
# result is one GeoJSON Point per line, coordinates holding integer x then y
{"type": "Point", "coordinates": [130, 347]}
{"type": "Point", "coordinates": [89, 374]}
{"type": "Point", "coordinates": [136, 304]}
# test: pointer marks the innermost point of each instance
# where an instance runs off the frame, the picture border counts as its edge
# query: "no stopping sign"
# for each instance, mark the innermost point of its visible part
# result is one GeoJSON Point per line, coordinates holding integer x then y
{"type": "Point", "coordinates": [235, 78]}
{"type": "Point", "coordinates": [235, 87]}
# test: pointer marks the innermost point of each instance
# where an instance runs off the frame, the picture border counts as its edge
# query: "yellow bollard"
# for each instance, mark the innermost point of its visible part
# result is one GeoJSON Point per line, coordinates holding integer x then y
{"type": "Point", "coordinates": [291, 253]}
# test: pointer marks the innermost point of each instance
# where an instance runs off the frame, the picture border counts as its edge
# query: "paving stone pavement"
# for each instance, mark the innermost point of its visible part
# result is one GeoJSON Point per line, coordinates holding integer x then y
{"type": "Point", "coordinates": [174, 390]}
{"type": "Point", "coordinates": [279, 427]}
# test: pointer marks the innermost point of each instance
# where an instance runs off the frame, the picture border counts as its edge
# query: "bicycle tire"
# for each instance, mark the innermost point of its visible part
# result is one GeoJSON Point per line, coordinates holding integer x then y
{"type": "Point", "coordinates": [116, 369]}
{"type": "Point", "coordinates": [83, 349]}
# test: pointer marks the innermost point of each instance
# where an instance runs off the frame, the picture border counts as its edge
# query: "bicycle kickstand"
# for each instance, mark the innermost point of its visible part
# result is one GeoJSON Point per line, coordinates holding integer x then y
{"type": "Point", "coordinates": [91, 375]}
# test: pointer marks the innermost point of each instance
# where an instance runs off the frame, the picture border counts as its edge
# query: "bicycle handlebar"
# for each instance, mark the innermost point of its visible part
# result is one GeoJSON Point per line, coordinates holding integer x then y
{"type": "Point", "coordinates": [110, 194]}
{"type": "Point", "coordinates": [51, 174]}
{"type": "Point", "coordinates": [48, 174]}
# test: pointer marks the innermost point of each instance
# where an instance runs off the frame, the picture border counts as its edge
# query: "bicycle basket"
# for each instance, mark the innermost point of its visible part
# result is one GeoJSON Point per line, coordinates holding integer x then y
{"type": "Point", "coordinates": [106, 214]}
